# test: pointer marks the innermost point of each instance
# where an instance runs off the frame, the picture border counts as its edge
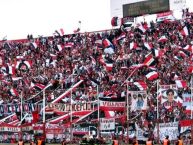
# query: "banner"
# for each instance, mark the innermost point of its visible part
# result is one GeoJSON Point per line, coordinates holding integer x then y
{"type": "Point", "coordinates": [88, 106]}
{"type": "Point", "coordinates": [54, 129]}
{"type": "Point", "coordinates": [169, 96]}
{"type": "Point", "coordinates": [5, 127]}
{"type": "Point", "coordinates": [165, 16]}
{"type": "Point", "coordinates": [170, 129]}
{"type": "Point", "coordinates": [81, 130]}
{"type": "Point", "coordinates": [138, 100]}
{"type": "Point", "coordinates": [9, 129]}
{"type": "Point", "coordinates": [112, 105]}
{"type": "Point", "coordinates": [185, 126]}
{"type": "Point", "coordinates": [141, 133]}
{"type": "Point", "coordinates": [12, 108]}
{"type": "Point", "coordinates": [187, 101]}
{"type": "Point", "coordinates": [107, 123]}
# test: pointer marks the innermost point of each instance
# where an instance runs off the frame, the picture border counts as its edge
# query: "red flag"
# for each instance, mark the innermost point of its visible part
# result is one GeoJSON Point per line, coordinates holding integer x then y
{"type": "Point", "coordinates": [35, 115]}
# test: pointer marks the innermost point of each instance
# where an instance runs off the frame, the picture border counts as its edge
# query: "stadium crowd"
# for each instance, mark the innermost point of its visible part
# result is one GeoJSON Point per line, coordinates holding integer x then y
{"type": "Point", "coordinates": [104, 58]}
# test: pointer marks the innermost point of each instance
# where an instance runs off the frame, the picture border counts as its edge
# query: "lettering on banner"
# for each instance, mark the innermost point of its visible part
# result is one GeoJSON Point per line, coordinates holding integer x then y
{"type": "Point", "coordinates": [11, 108]}
{"type": "Point", "coordinates": [170, 129]}
{"type": "Point", "coordinates": [67, 107]}
{"type": "Point", "coordinates": [107, 124]}
{"type": "Point", "coordinates": [9, 129]}
{"type": "Point", "coordinates": [112, 104]}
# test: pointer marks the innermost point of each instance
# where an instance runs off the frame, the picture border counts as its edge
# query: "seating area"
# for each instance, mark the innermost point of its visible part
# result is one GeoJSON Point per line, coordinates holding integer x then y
{"type": "Point", "coordinates": [145, 57]}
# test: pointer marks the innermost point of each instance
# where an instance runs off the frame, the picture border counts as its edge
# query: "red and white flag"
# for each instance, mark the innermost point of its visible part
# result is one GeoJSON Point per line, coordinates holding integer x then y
{"type": "Point", "coordinates": [11, 70]}
{"type": "Point", "coordinates": [181, 83]}
{"type": "Point", "coordinates": [184, 31]}
{"type": "Point", "coordinates": [59, 48]}
{"type": "Point", "coordinates": [188, 48]}
{"type": "Point", "coordinates": [14, 92]}
{"type": "Point", "coordinates": [133, 45]}
{"type": "Point", "coordinates": [148, 59]}
{"type": "Point", "coordinates": [109, 114]}
{"type": "Point", "coordinates": [98, 42]}
{"type": "Point", "coordinates": [61, 31]}
{"type": "Point", "coordinates": [106, 43]}
{"type": "Point", "coordinates": [158, 52]}
{"type": "Point", "coordinates": [93, 60]}
{"type": "Point", "coordinates": [34, 45]}
{"type": "Point", "coordinates": [108, 66]}
{"type": "Point", "coordinates": [69, 45]}
{"type": "Point", "coordinates": [148, 45]}
{"type": "Point", "coordinates": [162, 39]}
{"type": "Point", "coordinates": [122, 36]}
{"type": "Point", "coordinates": [143, 28]}
{"type": "Point", "coordinates": [141, 85]}
{"type": "Point", "coordinates": [28, 64]}
{"type": "Point", "coordinates": [152, 75]}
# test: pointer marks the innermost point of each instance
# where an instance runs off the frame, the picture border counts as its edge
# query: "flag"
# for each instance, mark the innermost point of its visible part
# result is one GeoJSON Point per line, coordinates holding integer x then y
{"type": "Point", "coordinates": [34, 45]}
{"type": "Point", "coordinates": [188, 48]}
{"type": "Point", "coordinates": [142, 28]}
{"type": "Point", "coordinates": [98, 42]}
{"type": "Point", "coordinates": [152, 76]}
{"type": "Point", "coordinates": [133, 45]}
{"type": "Point", "coordinates": [148, 45]}
{"type": "Point", "coordinates": [108, 66]}
{"type": "Point", "coordinates": [69, 45]}
{"type": "Point", "coordinates": [16, 78]}
{"type": "Point", "coordinates": [115, 21]}
{"type": "Point", "coordinates": [14, 92]}
{"type": "Point", "coordinates": [182, 54]}
{"type": "Point", "coordinates": [60, 32]}
{"type": "Point", "coordinates": [122, 36]}
{"type": "Point", "coordinates": [141, 85]}
{"type": "Point", "coordinates": [181, 83]}
{"type": "Point", "coordinates": [106, 43]}
{"type": "Point", "coordinates": [58, 48]}
{"type": "Point", "coordinates": [35, 116]}
{"type": "Point", "coordinates": [162, 39]}
{"type": "Point", "coordinates": [109, 114]}
{"type": "Point", "coordinates": [11, 70]}
{"type": "Point", "coordinates": [184, 31]}
{"type": "Point", "coordinates": [93, 60]}
{"type": "Point", "coordinates": [24, 65]}
{"type": "Point", "coordinates": [77, 30]}
{"type": "Point", "coordinates": [37, 86]}
{"type": "Point", "coordinates": [157, 52]}
{"type": "Point", "coordinates": [148, 59]}
{"type": "Point", "coordinates": [190, 69]}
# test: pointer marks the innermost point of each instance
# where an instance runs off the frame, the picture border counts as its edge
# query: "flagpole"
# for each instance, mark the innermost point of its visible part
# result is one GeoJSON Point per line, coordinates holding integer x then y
{"type": "Point", "coordinates": [127, 114]}
{"type": "Point", "coordinates": [71, 133]}
{"type": "Point", "coordinates": [191, 109]}
{"type": "Point", "coordinates": [21, 106]}
{"type": "Point", "coordinates": [98, 132]}
{"type": "Point", "coordinates": [158, 111]}
{"type": "Point", "coordinates": [21, 113]}
{"type": "Point", "coordinates": [191, 97]}
{"type": "Point", "coordinates": [44, 115]}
